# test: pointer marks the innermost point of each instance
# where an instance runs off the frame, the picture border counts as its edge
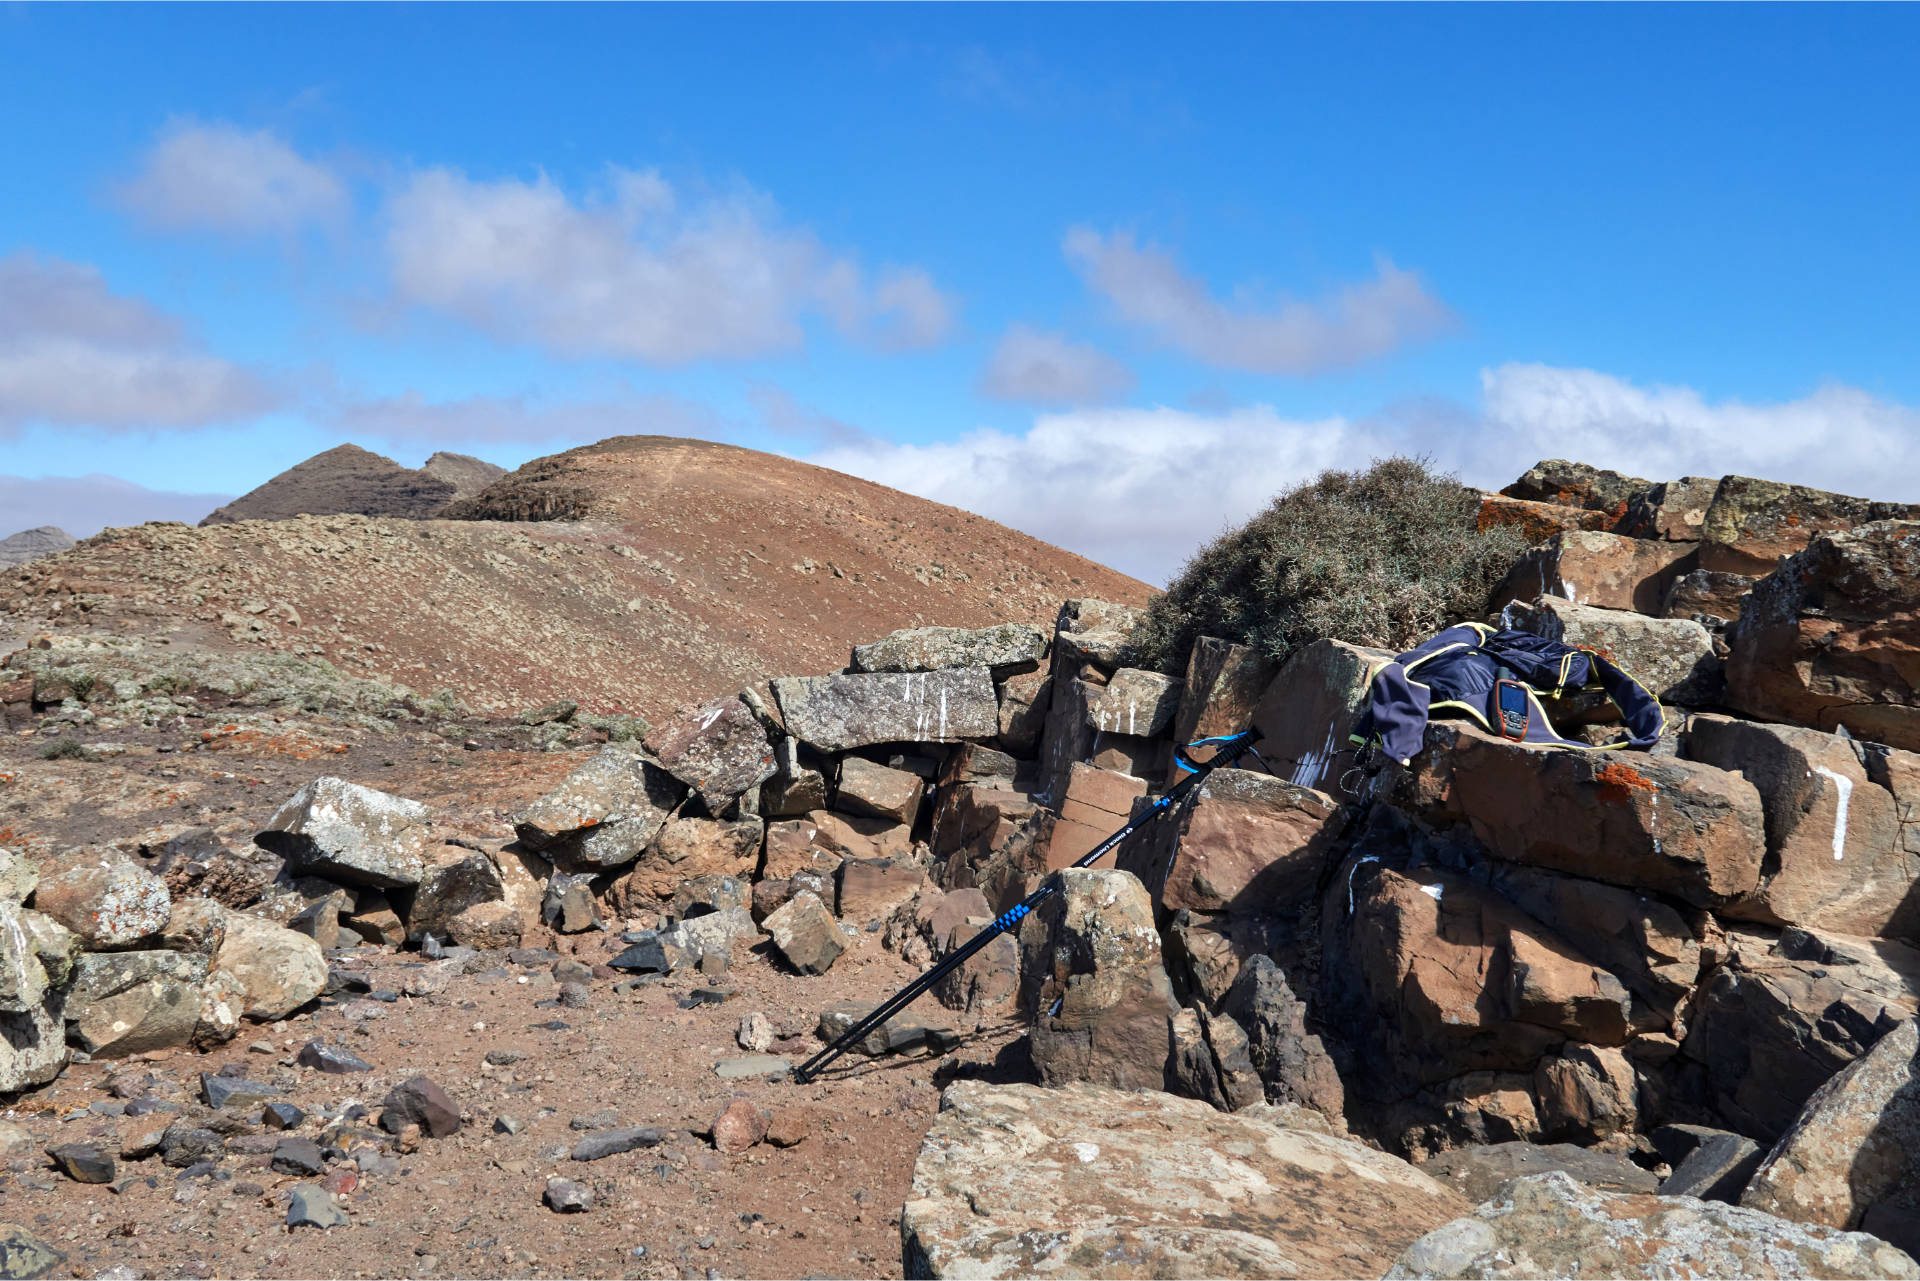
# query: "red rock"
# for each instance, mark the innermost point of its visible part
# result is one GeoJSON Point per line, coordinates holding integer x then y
{"type": "Point", "coordinates": [1224, 684]}
{"type": "Point", "coordinates": [1248, 843]}
{"type": "Point", "coordinates": [1589, 567]}
{"type": "Point", "coordinates": [787, 1126]}
{"type": "Point", "coordinates": [738, 1127]}
{"type": "Point", "coordinates": [1752, 523]}
{"type": "Point", "coordinates": [1536, 521]}
{"type": "Point", "coordinates": [1307, 711]}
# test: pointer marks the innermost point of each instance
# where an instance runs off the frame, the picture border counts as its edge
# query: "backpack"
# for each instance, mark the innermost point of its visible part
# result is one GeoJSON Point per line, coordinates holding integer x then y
{"type": "Point", "coordinates": [1495, 678]}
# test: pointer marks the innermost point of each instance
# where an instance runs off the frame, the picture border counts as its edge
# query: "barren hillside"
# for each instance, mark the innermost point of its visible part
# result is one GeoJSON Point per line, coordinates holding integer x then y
{"type": "Point", "coordinates": [632, 575]}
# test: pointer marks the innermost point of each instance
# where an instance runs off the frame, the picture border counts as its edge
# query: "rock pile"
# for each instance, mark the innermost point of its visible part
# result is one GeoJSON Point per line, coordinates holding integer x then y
{"type": "Point", "coordinates": [1574, 978]}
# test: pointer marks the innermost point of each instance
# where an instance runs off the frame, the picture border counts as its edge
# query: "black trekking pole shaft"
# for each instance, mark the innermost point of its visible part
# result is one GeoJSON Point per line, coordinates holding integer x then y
{"type": "Point", "coordinates": [1234, 749]}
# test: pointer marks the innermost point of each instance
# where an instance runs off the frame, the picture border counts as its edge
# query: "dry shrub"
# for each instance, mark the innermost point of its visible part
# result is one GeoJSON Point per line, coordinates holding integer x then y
{"type": "Point", "coordinates": [1385, 556]}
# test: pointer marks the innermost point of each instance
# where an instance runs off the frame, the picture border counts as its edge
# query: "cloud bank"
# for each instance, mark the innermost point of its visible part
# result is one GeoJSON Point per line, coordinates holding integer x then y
{"type": "Point", "coordinates": [1148, 289]}
{"type": "Point", "coordinates": [1040, 368]}
{"type": "Point", "coordinates": [636, 271]}
{"type": "Point", "coordinates": [73, 353]}
{"type": "Point", "coordinates": [219, 177]}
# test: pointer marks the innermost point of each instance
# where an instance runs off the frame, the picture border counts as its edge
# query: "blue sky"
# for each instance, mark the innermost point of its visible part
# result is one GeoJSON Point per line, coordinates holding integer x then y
{"type": "Point", "coordinates": [1111, 274]}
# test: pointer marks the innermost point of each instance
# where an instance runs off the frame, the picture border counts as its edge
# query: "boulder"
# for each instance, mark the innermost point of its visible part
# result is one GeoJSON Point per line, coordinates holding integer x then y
{"type": "Point", "coordinates": [1832, 638]}
{"type": "Point", "coordinates": [1097, 803]}
{"type": "Point", "coordinates": [1587, 1093]}
{"type": "Point", "coordinates": [320, 921]}
{"type": "Point", "coordinates": [797, 846]}
{"type": "Point", "coordinates": [870, 889]}
{"type": "Point", "coordinates": [1587, 567]}
{"type": "Point", "coordinates": [1779, 1019]}
{"type": "Point", "coordinates": [124, 1003]}
{"type": "Point", "coordinates": [1480, 1170]}
{"type": "Point", "coordinates": [990, 977]}
{"type": "Point", "coordinates": [18, 876]}
{"type": "Point", "coordinates": [1024, 700]}
{"type": "Point", "coordinates": [418, 1101]}
{"type": "Point", "coordinates": [1248, 842]}
{"type": "Point", "coordinates": [875, 791]}
{"type": "Point", "coordinates": [1206, 951]}
{"type": "Point", "coordinates": [1644, 942]}
{"type": "Point", "coordinates": [487, 926]}
{"type": "Point", "coordinates": [1643, 822]}
{"type": "Point", "coordinates": [1854, 1146]}
{"type": "Point", "coordinates": [604, 813]}
{"type": "Point", "coordinates": [806, 934]}
{"type": "Point", "coordinates": [713, 933]}
{"type": "Point", "coordinates": [904, 1033]}
{"type": "Point", "coordinates": [1537, 522]}
{"type": "Point", "coordinates": [851, 836]}
{"type": "Point", "coordinates": [1447, 978]}
{"type": "Point", "coordinates": [796, 787]}
{"type": "Point", "coordinates": [1224, 683]}
{"type": "Point", "coordinates": [194, 925]}
{"type": "Point", "coordinates": [1674, 511]}
{"type": "Point", "coordinates": [1709, 598]}
{"type": "Point", "coordinates": [1138, 703]}
{"type": "Point", "coordinates": [450, 889]}
{"type": "Point", "coordinates": [839, 713]}
{"type": "Point", "coordinates": [1671, 657]}
{"type": "Point", "coordinates": [1092, 986]}
{"type": "Point", "coordinates": [1014, 1180]}
{"type": "Point", "coordinates": [278, 970]}
{"type": "Point", "coordinates": [1307, 712]}
{"type": "Point", "coordinates": [223, 1001]}
{"type": "Point", "coordinates": [1834, 855]}
{"type": "Point", "coordinates": [568, 906]}
{"type": "Point", "coordinates": [931, 649]}
{"type": "Point", "coordinates": [1751, 524]}
{"type": "Point", "coordinates": [1291, 1060]}
{"type": "Point", "coordinates": [1093, 631]}
{"type": "Point", "coordinates": [350, 833]}
{"type": "Point", "coordinates": [1572, 484]}
{"type": "Point", "coordinates": [690, 847]}
{"type": "Point", "coordinates": [105, 900]}
{"type": "Point", "coordinates": [36, 958]}
{"type": "Point", "coordinates": [1716, 1169]}
{"type": "Point", "coordinates": [719, 750]}
{"type": "Point", "coordinates": [1549, 1225]}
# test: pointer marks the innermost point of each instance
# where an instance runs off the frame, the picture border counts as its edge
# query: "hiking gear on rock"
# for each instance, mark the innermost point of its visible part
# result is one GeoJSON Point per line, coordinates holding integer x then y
{"type": "Point", "coordinates": [1231, 748]}
{"type": "Point", "coordinates": [1495, 678]}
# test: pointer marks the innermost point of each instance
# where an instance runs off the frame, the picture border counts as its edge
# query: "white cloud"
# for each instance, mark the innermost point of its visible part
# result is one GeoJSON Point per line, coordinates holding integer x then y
{"type": "Point", "coordinates": [73, 353]}
{"type": "Point", "coordinates": [1147, 288]}
{"type": "Point", "coordinates": [634, 271]}
{"type": "Point", "coordinates": [1137, 489]}
{"type": "Point", "coordinates": [496, 419]}
{"type": "Point", "coordinates": [1838, 437]}
{"type": "Point", "coordinates": [84, 505]}
{"type": "Point", "coordinates": [220, 177]}
{"type": "Point", "coordinates": [1051, 369]}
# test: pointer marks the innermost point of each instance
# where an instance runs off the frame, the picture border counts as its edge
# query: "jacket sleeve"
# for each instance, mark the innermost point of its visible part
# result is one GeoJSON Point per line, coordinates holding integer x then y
{"type": "Point", "coordinates": [1396, 712]}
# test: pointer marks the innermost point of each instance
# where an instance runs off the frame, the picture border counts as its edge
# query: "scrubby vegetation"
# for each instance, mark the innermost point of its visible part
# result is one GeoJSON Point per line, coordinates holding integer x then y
{"type": "Point", "coordinates": [1385, 556]}
{"type": "Point", "coordinates": [66, 749]}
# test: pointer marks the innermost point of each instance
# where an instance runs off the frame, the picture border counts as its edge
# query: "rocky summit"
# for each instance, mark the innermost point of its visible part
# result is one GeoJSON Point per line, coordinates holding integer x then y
{"type": "Point", "coordinates": [304, 971]}
{"type": "Point", "coordinates": [31, 544]}
{"type": "Point", "coordinates": [348, 480]}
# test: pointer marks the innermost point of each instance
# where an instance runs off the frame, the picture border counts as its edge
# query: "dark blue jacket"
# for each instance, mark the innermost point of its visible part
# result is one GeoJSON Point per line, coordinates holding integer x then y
{"type": "Point", "coordinates": [1456, 671]}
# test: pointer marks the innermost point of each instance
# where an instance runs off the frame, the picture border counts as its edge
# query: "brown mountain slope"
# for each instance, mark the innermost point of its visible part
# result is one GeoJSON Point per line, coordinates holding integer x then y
{"type": "Point", "coordinates": [684, 570]}
{"type": "Point", "coordinates": [344, 480]}
{"type": "Point", "coordinates": [468, 475]}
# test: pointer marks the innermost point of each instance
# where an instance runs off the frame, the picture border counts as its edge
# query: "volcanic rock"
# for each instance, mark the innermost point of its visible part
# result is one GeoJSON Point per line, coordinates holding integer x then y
{"type": "Point", "coordinates": [278, 970]}
{"type": "Point", "coordinates": [879, 792]}
{"type": "Point", "coordinates": [1751, 524]}
{"type": "Point", "coordinates": [418, 1101]}
{"type": "Point", "coordinates": [1005, 646]}
{"type": "Point", "coordinates": [1574, 484]}
{"type": "Point", "coordinates": [1307, 711]}
{"type": "Point", "coordinates": [486, 926]}
{"type": "Point", "coordinates": [837, 713]}
{"type": "Point", "coordinates": [1135, 702]}
{"type": "Point", "coordinates": [686, 848]}
{"type": "Point", "coordinates": [1586, 567]}
{"type": "Point", "coordinates": [604, 813]}
{"type": "Point", "coordinates": [105, 900]}
{"type": "Point", "coordinates": [344, 480]}
{"type": "Point", "coordinates": [124, 1003]}
{"type": "Point", "coordinates": [806, 934]}
{"type": "Point", "coordinates": [450, 889]}
{"type": "Point", "coordinates": [1478, 1172]}
{"type": "Point", "coordinates": [719, 750]}
{"type": "Point", "coordinates": [1013, 1179]}
{"type": "Point", "coordinates": [349, 833]}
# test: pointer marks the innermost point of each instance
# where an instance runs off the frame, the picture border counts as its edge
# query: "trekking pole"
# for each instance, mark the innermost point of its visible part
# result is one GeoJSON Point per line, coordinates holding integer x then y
{"type": "Point", "coordinates": [1232, 748]}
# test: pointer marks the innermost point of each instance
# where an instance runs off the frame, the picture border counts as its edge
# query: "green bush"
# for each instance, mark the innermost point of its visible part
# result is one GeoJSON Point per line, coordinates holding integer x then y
{"type": "Point", "coordinates": [1385, 556]}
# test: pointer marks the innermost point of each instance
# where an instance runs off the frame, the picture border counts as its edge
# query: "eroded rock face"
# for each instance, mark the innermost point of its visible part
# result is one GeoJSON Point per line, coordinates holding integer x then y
{"type": "Point", "coordinates": [1575, 484]}
{"type": "Point", "coordinates": [1135, 702]}
{"type": "Point", "coordinates": [106, 900]}
{"type": "Point", "coordinates": [1834, 856]}
{"type": "Point", "coordinates": [1306, 713]}
{"type": "Point", "coordinates": [1248, 843]}
{"type": "Point", "coordinates": [350, 833]}
{"type": "Point", "coordinates": [719, 750]}
{"type": "Point", "coordinates": [837, 713]}
{"type": "Point", "coordinates": [1751, 524]}
{"type": "Point", "coordinates": [879, 792]}
{"type": "Point", "coordinates": [931, 649]}
{"type": "Point", "coordinates": [1013, 1180]}
{"type": "Point", "coordinates": [1626, 818]}
{"type": "Point", "coordinates": [1224, 684]}
{"type": "Point", "coordinates": [1832, 637]}
{"type": "Point", "coordinates": [1673, 510]}
{"type": "Point", "coordinates": [1587, 567]}
{"type": "Point", "coordinates": [1548, 1225]}
{"type": "Point", "coordinates": [604, 813]}
{"type": "Point", "coordinates": [1854, 1148]}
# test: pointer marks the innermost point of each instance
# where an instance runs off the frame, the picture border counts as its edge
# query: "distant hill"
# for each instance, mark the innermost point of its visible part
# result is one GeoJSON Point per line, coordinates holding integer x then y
{"type": "Point", "coordinates": [29, 544]}
{"type": "Point", "coordinates": [635, 574]}
{"type": "Point", "coordinates": [350, 481]}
